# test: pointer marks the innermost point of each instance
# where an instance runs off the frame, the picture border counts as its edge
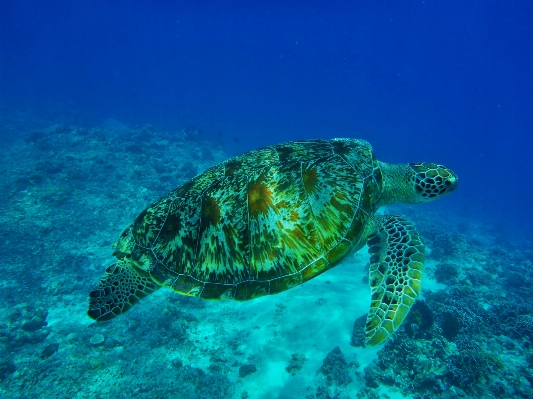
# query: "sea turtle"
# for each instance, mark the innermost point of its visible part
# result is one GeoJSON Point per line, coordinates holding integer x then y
{"type": "Point", "coordinates": [274, 218]}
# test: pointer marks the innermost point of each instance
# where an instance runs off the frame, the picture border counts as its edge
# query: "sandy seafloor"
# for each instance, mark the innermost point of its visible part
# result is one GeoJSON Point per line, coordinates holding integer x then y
{"type": "Point", "coordinates": [67, 193]}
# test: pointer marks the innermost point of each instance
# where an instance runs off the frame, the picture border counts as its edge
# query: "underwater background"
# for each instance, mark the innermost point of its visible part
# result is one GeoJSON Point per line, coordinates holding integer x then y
{"type": "Point", "coordinates": [106, 106]}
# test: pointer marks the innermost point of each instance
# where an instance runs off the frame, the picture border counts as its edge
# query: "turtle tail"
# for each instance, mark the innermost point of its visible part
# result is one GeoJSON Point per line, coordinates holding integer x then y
{"type": "Point", "coordinates": [121, 287]}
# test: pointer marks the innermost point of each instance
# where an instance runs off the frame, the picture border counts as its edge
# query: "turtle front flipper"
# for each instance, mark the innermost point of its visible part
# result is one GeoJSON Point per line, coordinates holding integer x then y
{"type": "Point", "coordinates": [396, 260]}
{"type": "Point", "coordinates": [122, 286]}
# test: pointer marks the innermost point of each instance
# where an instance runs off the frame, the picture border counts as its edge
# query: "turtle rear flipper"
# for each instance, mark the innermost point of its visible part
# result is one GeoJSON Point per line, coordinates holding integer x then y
{"type": "Point", "coordinates": [122, 286]}
{"type": "Point", "coordinates": [396, 262]}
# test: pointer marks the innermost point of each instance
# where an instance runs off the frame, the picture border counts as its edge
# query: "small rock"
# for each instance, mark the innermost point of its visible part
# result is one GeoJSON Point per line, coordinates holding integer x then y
{"type": "Point", "coordinates": [97, 339]}
{"type": "Point", "coordinates": [36, 323]}
{"type": "Point", "coordinates": [6, 369]}
{"type": "Point", "coordinates": [246, 369]}
{"type": "Point", "coordinates": [49, 351]}
{"type": "Point", "coordinates": [72, 337]}
{"type": "Point", "coordinates": [111, 343]}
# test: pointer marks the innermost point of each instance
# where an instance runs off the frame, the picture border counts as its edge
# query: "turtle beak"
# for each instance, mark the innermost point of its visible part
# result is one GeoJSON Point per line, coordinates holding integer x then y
{"type": "Point", "coordinates": [452, 182]}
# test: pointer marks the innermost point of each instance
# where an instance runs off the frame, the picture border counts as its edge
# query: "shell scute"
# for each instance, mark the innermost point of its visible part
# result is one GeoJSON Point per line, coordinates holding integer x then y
{"type": "Point", "coordinates": [302, 151]}
{"type": "Point", "coordinates": [334, 199]}
{"type": "Point", "coordinates": [282, 244]}
{"type": "Point", "coordinates": [147, 225]}
{"type": "Point", "coordinates": [223, 247]}
{"type": "Point", "coordinates": [251, 289]}
{"type": "Point", "coordinates": [178, 239]}
{"type": "Point", "coordinates": [247, 163]}
{"type": "Point", "coordinates": [186, 285]}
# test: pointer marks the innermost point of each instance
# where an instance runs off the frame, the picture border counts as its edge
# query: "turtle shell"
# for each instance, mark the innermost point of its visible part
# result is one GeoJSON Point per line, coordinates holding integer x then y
{"type": "Point", "coordinates": [259, 223]}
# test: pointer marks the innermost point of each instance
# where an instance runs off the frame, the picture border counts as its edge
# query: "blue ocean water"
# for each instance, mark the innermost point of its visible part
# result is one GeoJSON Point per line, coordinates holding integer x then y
{"type": "Point", "coordinates": [106, 106]}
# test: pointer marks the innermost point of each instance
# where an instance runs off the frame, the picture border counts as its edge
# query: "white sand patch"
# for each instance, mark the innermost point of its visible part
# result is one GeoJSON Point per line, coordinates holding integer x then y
{"type": "Point", "coordinates": [430, 283]}
{"type": "Point", "coordinates": [310, 319]}
{"type": "Point", "coordinates": [71, 310]}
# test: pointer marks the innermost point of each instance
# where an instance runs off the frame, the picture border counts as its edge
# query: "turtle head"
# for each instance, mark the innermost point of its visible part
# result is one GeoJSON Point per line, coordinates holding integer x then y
{"type": "Point", "coordinates": [431, 181]}
{"type": "Point", "coordinates": [414, 183]}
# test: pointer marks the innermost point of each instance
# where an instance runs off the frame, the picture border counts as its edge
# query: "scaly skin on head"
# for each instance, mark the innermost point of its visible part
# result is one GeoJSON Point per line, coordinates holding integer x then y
{"type": "Point", "coordinates": [415, 183]}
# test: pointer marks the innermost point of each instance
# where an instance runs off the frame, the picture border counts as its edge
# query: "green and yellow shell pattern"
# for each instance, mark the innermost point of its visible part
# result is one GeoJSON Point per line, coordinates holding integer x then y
{"type": "Point", "coordinates": [260, 223]}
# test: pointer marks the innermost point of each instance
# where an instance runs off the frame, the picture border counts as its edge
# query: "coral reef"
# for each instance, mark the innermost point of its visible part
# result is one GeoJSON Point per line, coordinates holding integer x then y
{"type": "Point", "coordinates": [336, 368]}
{"type": "Point", "coordinates": [68, 192]}
{"type": "Point", "coordinates": [358, 333]}
{"type": "Point", "coordinates": [447, 345]}
{"type": "Point", "coordinates": [246, 369]}
{"type": "Point", "coordinates": [296, 363]}
{"type": "Point", "coordinates": [446, 273]}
